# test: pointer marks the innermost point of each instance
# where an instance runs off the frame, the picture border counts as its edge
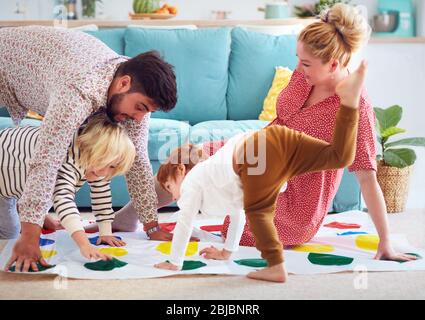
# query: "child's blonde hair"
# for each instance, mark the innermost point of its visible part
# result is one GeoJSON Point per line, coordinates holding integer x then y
{"type": "Point", "coordinates": [188, 155]}
{"type": "Point", "coordinates": [102, 143]}
{"type": "Point", "coordinates": [341, 31]}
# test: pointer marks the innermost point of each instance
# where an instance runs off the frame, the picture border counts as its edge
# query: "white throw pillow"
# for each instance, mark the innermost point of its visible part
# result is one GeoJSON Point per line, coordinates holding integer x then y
{"type": "Point", "coordinates": [88, 27]}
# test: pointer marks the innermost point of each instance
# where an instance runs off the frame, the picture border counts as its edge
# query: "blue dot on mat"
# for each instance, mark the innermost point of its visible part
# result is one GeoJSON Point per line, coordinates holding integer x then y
{"type": "Point", "coordinates": [349, 233]}
{"type": "Point", "coordinates": [94, 240]}
{"type": "Point", "coordinates": [46, 242]}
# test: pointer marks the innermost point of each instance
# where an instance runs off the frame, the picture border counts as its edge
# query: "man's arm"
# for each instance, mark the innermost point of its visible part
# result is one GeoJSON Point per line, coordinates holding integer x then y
{"type": "Point", "coordinates": [140, 178]}
{"type": "Point", "coordinates": [64, 116]}
{"type": "Point", "coordinates": [66, 112]}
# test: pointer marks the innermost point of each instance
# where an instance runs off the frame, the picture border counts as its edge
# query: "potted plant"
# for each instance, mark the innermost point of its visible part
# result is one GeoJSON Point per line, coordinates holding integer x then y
{"type": "Point", "coordinates": [314, 10]}
{"type": "Point", "coordinates": [89, 8]}
{"type": "Point", "coordinates": [395, 162]}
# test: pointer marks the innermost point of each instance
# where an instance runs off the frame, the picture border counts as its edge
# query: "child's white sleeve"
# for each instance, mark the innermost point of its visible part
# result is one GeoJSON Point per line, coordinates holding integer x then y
{"type": "Point", "coordinates": [234, 233]}
{"type": "Point", "coordinates": [189, 204]}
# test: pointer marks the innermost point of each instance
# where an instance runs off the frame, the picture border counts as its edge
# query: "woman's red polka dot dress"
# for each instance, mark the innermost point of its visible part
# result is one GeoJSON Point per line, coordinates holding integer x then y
{"type": "Point", "coordinates": [301, 209]}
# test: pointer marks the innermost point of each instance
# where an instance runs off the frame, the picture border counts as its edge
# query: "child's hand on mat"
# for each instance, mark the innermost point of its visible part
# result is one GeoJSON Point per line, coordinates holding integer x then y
{"type": "Point", "coordinates": [110, 240]}
{"type": "Point", "coordinates": [215, 254]}
{"type": "Point", "coordinates": [166, 266]}
{"type": "Point", "coordinates": [92, 253]}
{"type": "Point", "coordinates": [386, 252]}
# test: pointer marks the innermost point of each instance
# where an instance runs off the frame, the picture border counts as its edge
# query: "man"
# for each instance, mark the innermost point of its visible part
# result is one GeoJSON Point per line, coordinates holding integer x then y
{"type": "Point", "coordinates": [66, 76]}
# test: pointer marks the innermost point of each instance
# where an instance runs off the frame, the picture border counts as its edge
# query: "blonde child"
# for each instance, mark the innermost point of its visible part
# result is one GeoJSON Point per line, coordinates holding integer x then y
{"type": "Point", "coordinates": [246, 175]}
{"type": "Point", "coordinates": [99, 150]}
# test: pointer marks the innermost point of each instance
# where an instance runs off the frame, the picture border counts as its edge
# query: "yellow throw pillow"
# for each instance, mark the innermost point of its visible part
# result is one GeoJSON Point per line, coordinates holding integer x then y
{"type": "Point", "coordinates": [280, 82]}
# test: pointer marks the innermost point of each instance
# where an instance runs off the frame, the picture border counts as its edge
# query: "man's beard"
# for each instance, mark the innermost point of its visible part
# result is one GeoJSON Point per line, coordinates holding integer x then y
{"type": "Point", "coordinates": [112, 106]}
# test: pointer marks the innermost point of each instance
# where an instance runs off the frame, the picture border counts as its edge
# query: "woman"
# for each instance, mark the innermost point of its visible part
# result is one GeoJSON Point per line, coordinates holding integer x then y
{"type": "Point", "coordinates": [309, 104]}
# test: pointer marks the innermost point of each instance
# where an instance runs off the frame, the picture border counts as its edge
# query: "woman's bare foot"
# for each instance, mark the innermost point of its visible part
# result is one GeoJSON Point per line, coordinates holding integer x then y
{"type": "Point", "coordinates": [276, 273]}
{"type": "Point", "coordinates": [349, 89]}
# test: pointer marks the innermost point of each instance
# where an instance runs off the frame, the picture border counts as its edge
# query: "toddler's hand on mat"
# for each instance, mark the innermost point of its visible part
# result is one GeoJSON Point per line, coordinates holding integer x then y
{"type": "Point", "coordinates": [92, 253]}
{"type": "Point", "coordinates": [215, 254]}
{"type": "Point", "coordinates": [110, 240]}
{"type": "Point", "coordinates": [166, 266]}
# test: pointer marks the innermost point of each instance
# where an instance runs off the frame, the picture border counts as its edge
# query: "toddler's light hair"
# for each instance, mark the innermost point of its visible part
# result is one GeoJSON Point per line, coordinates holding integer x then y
{"type": "Point", "coordinates": [341, 31]}
{"type": "Point", "coordinates": [103, 143]}
{"type": "Point", "coordinates": [189, 155]}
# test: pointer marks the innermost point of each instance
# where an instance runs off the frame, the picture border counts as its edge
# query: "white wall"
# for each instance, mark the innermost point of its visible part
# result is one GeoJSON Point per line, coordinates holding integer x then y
{"type": "Point", "coordinates": [397, 76]}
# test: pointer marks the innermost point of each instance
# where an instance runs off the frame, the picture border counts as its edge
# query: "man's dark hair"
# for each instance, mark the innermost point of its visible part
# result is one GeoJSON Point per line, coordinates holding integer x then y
{"type": "Point", "coordinates": [152, 76]}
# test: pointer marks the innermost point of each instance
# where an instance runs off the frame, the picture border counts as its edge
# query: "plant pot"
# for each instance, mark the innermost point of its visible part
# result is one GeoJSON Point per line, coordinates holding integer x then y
{"type": "Point", "coordinates": [394, 183]}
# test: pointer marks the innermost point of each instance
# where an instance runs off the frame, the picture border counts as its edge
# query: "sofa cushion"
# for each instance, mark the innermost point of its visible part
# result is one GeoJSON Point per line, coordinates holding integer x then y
{"type": "Point", "coordinates": [200, 58]}
{"type": "Point", "coordinates": [164, 136]}
{"type": "Point", "coordinates": [6, 122]}
{"type": "Point", "coordinates": [253, 60]}
{"type": "Point", "coordinates": [4, 112]}
{"type": "Point", "coordinates": [348, 196]}
{"type": "Point", "coordinates": [222, 130]}
{"type": "Point", "coordinates": [113, 38]}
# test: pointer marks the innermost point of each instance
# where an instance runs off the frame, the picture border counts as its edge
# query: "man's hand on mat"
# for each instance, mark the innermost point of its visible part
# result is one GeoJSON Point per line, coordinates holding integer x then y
{"type": "Point", "coordinates": [90, 252]}
{"type": "Point", "coordinates": [26, 252]}
{"type": "Point", "coordinates": [111, 240]}
{"type": "Point", "coordinates": [215, 254]}
{"type": "Point", "coordinates": [162, 235]}
{"type": "Point", "coordinates": [52, 224]}
{"type": "Point", "coordinates": [166, 266]}
{"type": "Point", "coordinates": [386, 252]}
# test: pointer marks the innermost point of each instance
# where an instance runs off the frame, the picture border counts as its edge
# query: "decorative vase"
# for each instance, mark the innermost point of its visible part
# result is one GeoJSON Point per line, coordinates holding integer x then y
{"type": "Point", "coordinates": [394, 183]}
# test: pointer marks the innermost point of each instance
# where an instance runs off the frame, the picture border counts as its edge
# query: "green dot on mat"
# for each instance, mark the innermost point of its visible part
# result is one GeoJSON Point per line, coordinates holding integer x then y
{"type": "Point", "coordinates": [191, 265]}
{"type": "Point", "coordinates": [39, 266]}
{"type": "Point", "coordinates": [412, 254]}
{"type": "Point", "coordinates": [255, 263]}
{"type": "Point", "coordinates": [329, 259]}
{"type": "Point", "coordinates": [105, 265]}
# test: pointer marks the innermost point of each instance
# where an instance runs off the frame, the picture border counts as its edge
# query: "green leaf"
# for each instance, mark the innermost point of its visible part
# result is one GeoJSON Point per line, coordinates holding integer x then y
{"type": "Point", "coordinates": [399, 158]}
{"type": "Point", "coordinates": [389, 117]}
{"type": "Point", "coordinates": [391, 131]}
{"type": "Point", "coordinates": [414, 142]}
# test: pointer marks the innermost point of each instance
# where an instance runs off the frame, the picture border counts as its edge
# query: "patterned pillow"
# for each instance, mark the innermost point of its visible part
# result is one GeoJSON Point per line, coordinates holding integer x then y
{"type": "Point", "coordinates": [280, 81]}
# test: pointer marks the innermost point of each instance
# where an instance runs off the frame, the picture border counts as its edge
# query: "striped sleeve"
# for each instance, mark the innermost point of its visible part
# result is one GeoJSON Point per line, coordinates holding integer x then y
{"type": "Point", "coordinates": [67, 183]}
{"type": "Point", "coordinates": [101, 200]}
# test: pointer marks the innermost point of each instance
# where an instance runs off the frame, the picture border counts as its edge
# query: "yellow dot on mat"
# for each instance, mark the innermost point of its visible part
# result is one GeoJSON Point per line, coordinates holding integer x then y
{"type": "Point", "coordinates": [46, 254]}
{"type": "Point", "coordinates": [165, 248]}
{"type": "Point", "coordinates": [116, 252]}
{"type": "Point", "coordinates": [314, 248]}
{"type": "Point", "coordinates": [367, 242]}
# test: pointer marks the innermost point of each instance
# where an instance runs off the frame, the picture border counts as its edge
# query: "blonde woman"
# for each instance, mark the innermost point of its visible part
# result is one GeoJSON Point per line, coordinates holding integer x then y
{"type": "Point", "coordinates": [100, 150]}
{"type": "Point", "coordinates": [309, 104]}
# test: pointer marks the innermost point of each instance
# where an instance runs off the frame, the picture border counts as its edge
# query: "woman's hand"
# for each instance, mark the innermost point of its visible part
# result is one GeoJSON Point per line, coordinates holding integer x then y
{"type": "Point", "coordinates": [110, 240]}
{"type": "Point", "coordinates": [386, 252]}
{"type": "Point", "coordinates": [215, 254]}
{"type": "Point", "coordinates": [166, 266]}
{"type": "Point", "coordinates": [91, 253]}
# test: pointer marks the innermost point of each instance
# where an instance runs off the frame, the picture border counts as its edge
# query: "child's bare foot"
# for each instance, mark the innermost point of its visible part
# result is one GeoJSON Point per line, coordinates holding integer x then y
{"type": "Point", "coordinates": [276, 273]}
{"type": "Point", "coordinates": [350, 88]}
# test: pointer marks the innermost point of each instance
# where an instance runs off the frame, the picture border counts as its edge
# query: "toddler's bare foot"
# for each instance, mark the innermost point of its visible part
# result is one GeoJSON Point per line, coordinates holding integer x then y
{"type": "Point", "coordinates": [276, 273]}
{"type": "Point", "coordinates": [349, 89]}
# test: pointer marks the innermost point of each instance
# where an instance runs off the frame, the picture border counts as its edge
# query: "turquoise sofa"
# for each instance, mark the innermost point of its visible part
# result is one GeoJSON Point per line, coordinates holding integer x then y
{"type": "Point", "coordinates": [223, 76]}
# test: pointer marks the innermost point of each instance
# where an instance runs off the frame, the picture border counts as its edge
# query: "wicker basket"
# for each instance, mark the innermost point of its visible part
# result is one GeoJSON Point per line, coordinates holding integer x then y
{"type": "Point", "coordinates": [394, 183]}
